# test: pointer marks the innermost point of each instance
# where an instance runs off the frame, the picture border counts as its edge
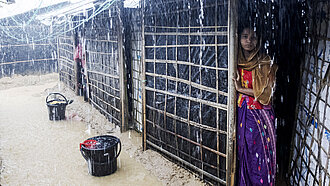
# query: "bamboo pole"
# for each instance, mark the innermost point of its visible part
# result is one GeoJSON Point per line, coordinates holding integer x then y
{"type": "Point", "coordinates": [138, 65]}
{"type": "Point", "coordinates": [84, 51]}
{"type": "Point", "coordinates": [75, 69]}
{"type": "Point", "coordinates": [41, 44]}
{"type": "Point", "coordinates": [186, 63]}
{"type": "Point", "coordinates": [217, 87]}
{"type": "Point", "coordinates": [187, 27]}
{"type": "Point", "coordinates": [231, 116]}
{"type": "Point", "coordinates": [58, 57]}
{"type": "Point", "coordinates": [26, 61]}
{"type": "Point", "coordinates": [106, 112]}
{"type": "Point", "coordinates": [203, 87]}
{"type": "Point", "coordinates": [189, 103]}
{"type": "Point", "coordinates": [199, 100]}
{"type": "Point", "coordinates": [105, 74]}
{"type": "Point", "coordinates": [187, 34]}
{"type": "Point", "coordinates": [197, 125]}
{"type": "Point", "coordinates": [122, 72]}
{"type": "Point", "coordinates": [176, 82]}
{"type": "Point", "coordinates": [144, 141]}
{"type": "Point", "coordinates": [71, 52]}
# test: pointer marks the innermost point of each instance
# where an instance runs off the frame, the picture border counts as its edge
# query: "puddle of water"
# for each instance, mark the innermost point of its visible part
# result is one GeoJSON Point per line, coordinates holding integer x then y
{"type": "Point", "coordinates": [36, 151]}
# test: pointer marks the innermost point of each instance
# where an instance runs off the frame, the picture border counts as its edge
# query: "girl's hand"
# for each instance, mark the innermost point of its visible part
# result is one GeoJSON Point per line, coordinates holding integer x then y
{"type": "Point", "coordinates": [237, 81]}
{"type": "Point", "coordinates": [239, 88]}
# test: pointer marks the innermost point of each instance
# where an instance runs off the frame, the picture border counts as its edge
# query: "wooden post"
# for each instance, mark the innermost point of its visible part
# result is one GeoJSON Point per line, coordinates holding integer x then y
{"type": "Point", "coordinates": [75, 66]}
{"type": "Point", "coordinates": [144, 140]}
{"type": "Point", "coordinates": [84, 51]}
{"type": "Point", "coordinates": [231, 115]}
{"type": "Point", "coordinates": [58, 58]}
{"type": "Point", "coordinates": [122, 72]}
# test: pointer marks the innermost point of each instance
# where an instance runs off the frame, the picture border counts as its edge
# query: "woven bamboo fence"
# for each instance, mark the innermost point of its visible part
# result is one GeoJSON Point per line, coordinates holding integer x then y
{"type": "Point", "coordinates": [65, 50]}
{"type": "Point", "coordinates": [21, 55]}
{"type": "Point", "coordinates": [309, 164]}
{"type": "Point", "coordinates": [186, 84]}
{"type": "Point", "coordinates": [136, 67]}
{"type": "Point", "coordinates": [102, 42]}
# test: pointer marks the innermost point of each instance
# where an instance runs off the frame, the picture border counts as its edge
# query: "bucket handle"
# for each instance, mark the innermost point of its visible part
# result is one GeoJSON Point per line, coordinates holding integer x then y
{"type": "Point", "coordinates": [119, 149]}
{"type": "Point", "coordinates": [83, 154]}
{"type": "Point", "coordinates": [66, 101]}
{"type": "Point", "coordinates": [56, 93]}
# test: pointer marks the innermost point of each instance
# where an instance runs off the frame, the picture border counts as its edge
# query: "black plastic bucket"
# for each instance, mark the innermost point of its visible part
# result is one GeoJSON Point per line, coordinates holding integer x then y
{"type": "Point", "coordinates": [101, 154]}
{"type": "Point", "coordinates": [56, 103]}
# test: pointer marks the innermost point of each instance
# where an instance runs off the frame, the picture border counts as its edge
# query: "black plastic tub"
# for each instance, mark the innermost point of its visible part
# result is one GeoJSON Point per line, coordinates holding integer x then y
{"type": "Point", "coordinates": [101, 153]}
{"type": "Point", "coordinates": [56, 104]}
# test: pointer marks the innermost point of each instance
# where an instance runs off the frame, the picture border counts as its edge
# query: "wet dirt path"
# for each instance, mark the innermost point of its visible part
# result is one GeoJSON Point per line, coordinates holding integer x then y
{"type": "Point", "coordinates": [36, 151]}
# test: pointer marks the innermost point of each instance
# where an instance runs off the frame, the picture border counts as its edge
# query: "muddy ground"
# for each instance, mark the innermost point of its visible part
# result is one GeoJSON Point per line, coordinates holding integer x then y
{"type": "Point", "coordinates": [83, 121]}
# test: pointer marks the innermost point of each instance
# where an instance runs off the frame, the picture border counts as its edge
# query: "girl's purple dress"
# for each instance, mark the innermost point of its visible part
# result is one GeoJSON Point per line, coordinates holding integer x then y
{"type": "Point", "coordinates": [256, 140]}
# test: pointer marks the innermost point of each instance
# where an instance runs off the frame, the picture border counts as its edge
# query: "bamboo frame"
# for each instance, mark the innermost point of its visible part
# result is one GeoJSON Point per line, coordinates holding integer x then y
{"type": "Point", "coordinates": [224, 107]}
{"type": "Point", "coordinates": [26, 61]}
{"type": "Point", "coordinates": [136, 66]}
{"type": "Point", "coordinates": [184, 10]}
{"type": "Point", "coordinates": [65, 64]}
{"type": "Point", "coordinates": [232, 53]}
{"type": "Point", "coordinates": [58, 57]}
{"type": "Point", "coordinates": [182, 27]}
{"type": "Point", "coordinates": [209, 103]}
{"type": "Point", "coordinates": [144, 139]}
{"type": "Point", "coordinates": [186, 163]}
{"type": "Point", "coordinates": [123, 78]}
{"type": "Point", "coordinates": [192, 123]}
{"type": "Point", "coordinates": [103, 68]}
{"type": "Point", "coordinates": [32, 57]}
{"type": "Point", "coordinates": [188, 34]}
{"type": "Point", "coordinates": [67, 44]}
{"type": "Point", "coordinates": [175, 148]}
{"type": "Point", "coordinates": [101, 40]}
{"type": "Point", "coordinates": [94, 84]}
{"type": "Point", "coordinates": [186, 63]}
{"type": "Point", "coordinates": [71, 52]}
{"type": "Point", "coordinates": [311, 127]}
{"type": "Point", "coordinates": [37, 44]}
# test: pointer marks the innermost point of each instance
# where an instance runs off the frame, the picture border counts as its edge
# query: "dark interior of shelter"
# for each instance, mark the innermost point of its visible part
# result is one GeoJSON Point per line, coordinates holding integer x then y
{"type": "Point", "coordinates": [164, 70]}
{"type": "Point", "coordinates": [283, 31]}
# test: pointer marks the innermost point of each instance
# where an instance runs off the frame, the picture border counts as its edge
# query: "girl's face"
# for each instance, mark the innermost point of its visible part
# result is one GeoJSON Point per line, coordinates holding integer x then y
{"type": "Point", "coordinates": [249, 40]}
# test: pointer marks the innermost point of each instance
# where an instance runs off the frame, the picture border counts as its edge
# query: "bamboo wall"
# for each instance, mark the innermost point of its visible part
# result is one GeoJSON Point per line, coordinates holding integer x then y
{"type": "Point", "coordinates": [21, 51]}
{"type": "Point", "coordinates": [309, 163]}
{"type": "Point", "coordinates": [65, 50]}
{"type": "Point", "coordinates": [136, 71]}
{"type": "Point", "coordinates": [27, 46]}
{"type": "Point", "coordinates": [186, 90]}
{"type": "Point", "coordinates": [101, 38]}
{"type": "Point", "coordinates": [103, 65]}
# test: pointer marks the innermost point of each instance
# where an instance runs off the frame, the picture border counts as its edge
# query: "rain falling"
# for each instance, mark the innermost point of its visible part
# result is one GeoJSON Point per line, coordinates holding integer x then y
{"type": "Point", "coordinates": [164, 92]}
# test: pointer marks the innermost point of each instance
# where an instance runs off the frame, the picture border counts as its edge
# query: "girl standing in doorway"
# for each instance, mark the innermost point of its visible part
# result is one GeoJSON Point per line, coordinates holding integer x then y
{"type": "Point", "coordinates": [256, 140]}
